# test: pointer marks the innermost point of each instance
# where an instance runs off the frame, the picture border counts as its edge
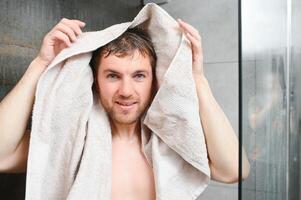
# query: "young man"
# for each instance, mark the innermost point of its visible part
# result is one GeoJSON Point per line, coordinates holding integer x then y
{"type": "Point", "coordinates": [125, 81]}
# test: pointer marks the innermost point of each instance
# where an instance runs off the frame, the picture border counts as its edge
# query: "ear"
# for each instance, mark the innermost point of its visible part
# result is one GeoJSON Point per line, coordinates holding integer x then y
{"type": "Point", "coordinates": [95, 87]}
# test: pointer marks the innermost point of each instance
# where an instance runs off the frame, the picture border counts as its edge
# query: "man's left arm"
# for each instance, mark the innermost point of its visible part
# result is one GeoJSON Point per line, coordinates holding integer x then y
{"type": "Point", "coordinates": [221, 140]}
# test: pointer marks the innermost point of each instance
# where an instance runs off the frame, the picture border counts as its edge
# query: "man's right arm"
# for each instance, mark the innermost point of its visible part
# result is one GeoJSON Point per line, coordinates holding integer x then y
{"type": "Point", "coordinates": [15, 110]}
{"type": "Point", "coordinates": [16, 107]}
{"type": "Point", "coordinates": [16, 162]}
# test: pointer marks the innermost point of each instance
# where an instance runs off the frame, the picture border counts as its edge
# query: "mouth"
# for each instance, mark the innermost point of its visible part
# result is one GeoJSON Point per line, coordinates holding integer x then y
{"type": "Point", "coordinates": [126, 105]}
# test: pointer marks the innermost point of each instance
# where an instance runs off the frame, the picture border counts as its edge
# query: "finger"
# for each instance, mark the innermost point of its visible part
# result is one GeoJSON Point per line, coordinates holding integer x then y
{"type": "Point", "coordinates": [61, 36]}
{"type": "Point", "coordinates": [196, 45]}
{"type": "Point", "coordinates": [62, 45]}
{"type": "Point", "coordinates": [193, 31]}
{"type": "Point", "coordinates": [80, 23]}
{"type": "Point", "coordinates": [72, 24]}
{"type": "Point", "coordinates": [67, 30]}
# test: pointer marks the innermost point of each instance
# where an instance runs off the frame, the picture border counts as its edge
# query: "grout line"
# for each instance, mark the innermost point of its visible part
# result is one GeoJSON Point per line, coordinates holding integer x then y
{"type": "Point", "coordinates": [18, 45]}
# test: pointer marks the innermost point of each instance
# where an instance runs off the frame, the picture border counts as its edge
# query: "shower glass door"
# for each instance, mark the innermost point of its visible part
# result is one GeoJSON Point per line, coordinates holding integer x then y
{"type": "Point", "coordinates": [270, 67]}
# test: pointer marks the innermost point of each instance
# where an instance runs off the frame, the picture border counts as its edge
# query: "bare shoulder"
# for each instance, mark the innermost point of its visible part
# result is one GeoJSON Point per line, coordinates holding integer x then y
{"type": "Point", "coordinates": [17, 161]}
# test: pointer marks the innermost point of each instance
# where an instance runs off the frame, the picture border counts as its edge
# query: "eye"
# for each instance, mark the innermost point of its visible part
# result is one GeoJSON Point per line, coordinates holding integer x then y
{"type": "Point", "coordinates": [139, 76]}
{"type": "Point", "coordinates": [112, 76]}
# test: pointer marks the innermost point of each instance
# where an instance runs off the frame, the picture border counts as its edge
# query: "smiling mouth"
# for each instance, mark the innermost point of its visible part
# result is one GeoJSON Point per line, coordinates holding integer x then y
{"type": "Point", "coordinates": [125, 105]}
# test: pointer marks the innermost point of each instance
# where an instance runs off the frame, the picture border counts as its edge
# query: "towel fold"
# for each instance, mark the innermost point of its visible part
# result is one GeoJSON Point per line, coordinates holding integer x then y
{"type": "Point", "coordinates": [70, 152]}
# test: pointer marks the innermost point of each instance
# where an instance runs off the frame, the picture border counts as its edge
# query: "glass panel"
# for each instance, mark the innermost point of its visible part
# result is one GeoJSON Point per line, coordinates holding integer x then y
{"type": "Point", "coordinates": [295, 103]}
{"type": "Point", "coordinates": [264, 69]}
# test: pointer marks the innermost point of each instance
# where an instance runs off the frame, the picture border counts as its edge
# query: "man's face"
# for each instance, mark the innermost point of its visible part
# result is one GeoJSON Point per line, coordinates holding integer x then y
{"type": "Point", "coordinates": [125, 85]}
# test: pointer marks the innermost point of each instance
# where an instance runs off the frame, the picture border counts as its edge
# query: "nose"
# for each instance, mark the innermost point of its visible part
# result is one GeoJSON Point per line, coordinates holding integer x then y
{"type": "Point", "coordinates": [126, 88]}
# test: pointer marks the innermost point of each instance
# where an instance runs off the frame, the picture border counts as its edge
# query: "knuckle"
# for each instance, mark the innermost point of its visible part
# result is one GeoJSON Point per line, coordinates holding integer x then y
{"type": "Point", "coordinates": [60, 34]}
{"type": "Point", "coordinates": [55, 35]}
{"type": "Point", "coordinates": [49, 35]}
{"type": "Point", "coordinates": [64, 19]}
{"type": "Point", "coordinates": [59, 26]}
{"type": "Point", "coordinates": [64, 36]}
{"type": "Point", "coordinates": [56, 32]}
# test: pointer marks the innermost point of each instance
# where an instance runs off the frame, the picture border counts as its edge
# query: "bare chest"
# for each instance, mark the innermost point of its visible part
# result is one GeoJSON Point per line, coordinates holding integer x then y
{"type": "Point", "coordinates": [132, 177]}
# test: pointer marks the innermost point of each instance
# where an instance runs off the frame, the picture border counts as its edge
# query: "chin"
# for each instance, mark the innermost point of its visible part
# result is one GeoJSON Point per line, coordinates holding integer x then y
{"type": "Point", "coordinates": [125, 121]}
{"type": "Point", "coordinates": [124, 118]}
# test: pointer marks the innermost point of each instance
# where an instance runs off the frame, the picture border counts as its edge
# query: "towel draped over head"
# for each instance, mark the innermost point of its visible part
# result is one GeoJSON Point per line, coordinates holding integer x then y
{"type": "Point", "coordinates": [70, 152]}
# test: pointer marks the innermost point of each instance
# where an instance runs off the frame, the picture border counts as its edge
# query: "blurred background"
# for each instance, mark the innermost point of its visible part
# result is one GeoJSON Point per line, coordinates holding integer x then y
{"type": "Point", "coordinates": [268, 67]}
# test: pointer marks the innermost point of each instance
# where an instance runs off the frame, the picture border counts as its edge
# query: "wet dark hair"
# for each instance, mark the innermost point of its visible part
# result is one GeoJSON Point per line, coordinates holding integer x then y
{"type": "Point", "coordinates": [125, 45]}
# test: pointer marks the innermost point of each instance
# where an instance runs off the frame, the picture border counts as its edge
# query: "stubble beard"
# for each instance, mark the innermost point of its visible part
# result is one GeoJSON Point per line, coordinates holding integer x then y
{"type": "Point", "coordinates": [123, 116]}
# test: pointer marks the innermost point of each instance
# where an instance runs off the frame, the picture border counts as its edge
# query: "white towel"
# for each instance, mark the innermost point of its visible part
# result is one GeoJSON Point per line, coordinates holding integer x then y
{"type": "Point", "coordinates": [71, 145]}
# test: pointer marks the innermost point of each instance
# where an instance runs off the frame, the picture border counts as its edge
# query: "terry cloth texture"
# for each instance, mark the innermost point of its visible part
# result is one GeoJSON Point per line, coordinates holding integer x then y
{"type": "Point", "coordinates": [71, 144]}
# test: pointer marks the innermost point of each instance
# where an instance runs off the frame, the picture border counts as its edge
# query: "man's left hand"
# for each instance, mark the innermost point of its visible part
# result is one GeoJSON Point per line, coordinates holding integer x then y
{"type": "Point", "coordinates": [196, 46]}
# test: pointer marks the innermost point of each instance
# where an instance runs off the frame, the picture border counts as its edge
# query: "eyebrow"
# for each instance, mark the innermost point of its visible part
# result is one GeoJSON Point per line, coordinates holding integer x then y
{"type": "Point", "coordinates": [115, 72]}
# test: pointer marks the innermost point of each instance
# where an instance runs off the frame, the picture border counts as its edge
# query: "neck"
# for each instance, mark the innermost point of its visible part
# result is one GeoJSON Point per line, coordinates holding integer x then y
{"type": "Point", "coordinates": [125, 132]}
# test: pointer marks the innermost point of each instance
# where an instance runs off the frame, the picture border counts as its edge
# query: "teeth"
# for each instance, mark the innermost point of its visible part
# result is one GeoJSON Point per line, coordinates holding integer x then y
{"type": "Point", "coordinates": [125, 104]}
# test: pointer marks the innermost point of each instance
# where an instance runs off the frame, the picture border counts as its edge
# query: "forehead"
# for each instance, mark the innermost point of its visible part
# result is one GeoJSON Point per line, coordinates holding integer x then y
{"type": "Point", "coordinates": [131, 62]}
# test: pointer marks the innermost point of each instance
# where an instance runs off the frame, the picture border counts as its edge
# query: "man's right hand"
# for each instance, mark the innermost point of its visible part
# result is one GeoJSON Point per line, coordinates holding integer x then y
{"type": "Point", "coordinates": [58, 38]}
{"type": "Point", "coordinates": [16, 106]}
